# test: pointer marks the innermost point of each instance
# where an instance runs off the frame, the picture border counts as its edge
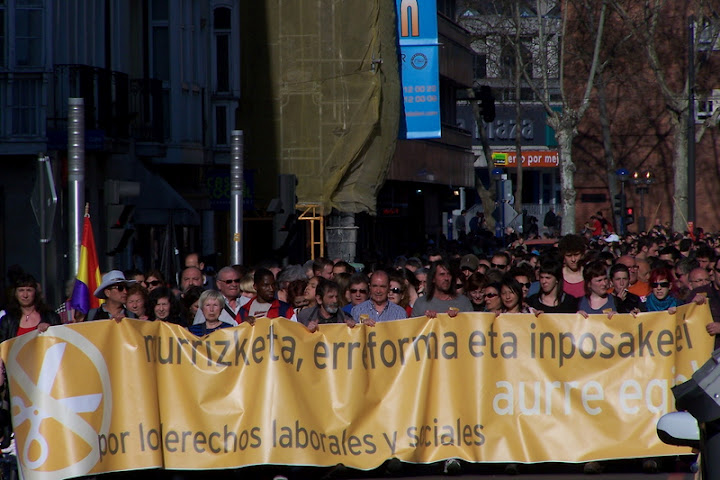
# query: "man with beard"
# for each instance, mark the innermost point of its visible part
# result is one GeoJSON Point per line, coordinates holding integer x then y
{"type": "Point", "coordinates": [327, 309]}
{"type": "Point", "coordinates": [441, 296]}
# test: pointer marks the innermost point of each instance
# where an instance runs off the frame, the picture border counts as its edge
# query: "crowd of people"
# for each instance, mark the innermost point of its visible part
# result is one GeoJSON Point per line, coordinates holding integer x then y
{"type": "Point", "coordinates": [585, 274]}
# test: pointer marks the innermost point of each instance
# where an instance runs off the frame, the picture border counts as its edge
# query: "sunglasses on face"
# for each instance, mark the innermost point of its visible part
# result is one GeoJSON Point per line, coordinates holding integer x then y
{"type": "Point", "coordinates": [119, 288]}
{"type": "Point", "coordinates": [153, 283]}
{"type": "Point", "coordinates": [395, 290]}
{"type": "Point", "coordinates": [498, 265]}
{"type": "Point", "coordinates": [230, 281]}
{"type": "Point", "coordinates": [525, 285]}
{"type": "Point", "coordinates": [491, 295]}
{"type": "Point", "coordinates": [660, 284]}
{"type": "Point", "coordinates": [358, 290]}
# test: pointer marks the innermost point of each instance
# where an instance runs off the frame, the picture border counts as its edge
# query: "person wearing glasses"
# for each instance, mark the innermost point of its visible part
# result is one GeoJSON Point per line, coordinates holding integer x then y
{"type": "Point", "coordinates": [500, 261]}
{"type": "Point", "coordinates": [114, 290]}
{"type": "Point", "coordinates": [228, 282]}
{"type": "Point", "coordinates": [491, 294]}
{"type": "Point", "coordinates": [398, 293]}
{"type": "Point", "coordinates": [357, 292]}
{"type": "Point", "coordinates": [153, 280]}
{"type": "Point", "coordinates": [660, 299]}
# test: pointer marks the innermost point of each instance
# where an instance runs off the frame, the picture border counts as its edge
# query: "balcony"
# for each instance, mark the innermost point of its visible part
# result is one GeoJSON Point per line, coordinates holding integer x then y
{"type": "Point", "coordinates": [105, 94]}
{"type": "Point", "coordinates": [147, 109]}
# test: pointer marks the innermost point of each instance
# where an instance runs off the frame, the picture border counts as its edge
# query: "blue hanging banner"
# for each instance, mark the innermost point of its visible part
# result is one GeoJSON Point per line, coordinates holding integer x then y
{"type": "Point", "coordinates": [419, 72]}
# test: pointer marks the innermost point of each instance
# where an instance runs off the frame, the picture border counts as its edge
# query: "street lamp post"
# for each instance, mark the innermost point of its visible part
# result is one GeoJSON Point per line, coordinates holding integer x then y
{"type": "Point", "coordinates": [497, 175]}
{"type": "Point", "coordinates": [642, 182]}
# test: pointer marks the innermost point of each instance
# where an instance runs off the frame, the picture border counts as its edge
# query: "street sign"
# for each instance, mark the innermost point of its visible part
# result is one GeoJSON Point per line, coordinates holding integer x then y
{"type": "Point", "coordinates": [44, 199]}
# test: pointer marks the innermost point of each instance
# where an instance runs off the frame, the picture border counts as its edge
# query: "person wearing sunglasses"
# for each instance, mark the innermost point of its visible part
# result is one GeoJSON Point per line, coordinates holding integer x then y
{"type": "Point", "coordinates": [112, 289]}
{"type": "Point", "coordinates": [228, 282]}
{"type": "Point", "coordinates": [357, 292]}
{"type": "Point", "coordinates": [660, 298]}
{"type": "Point", "coordinates": [153, 280]}
{"type": "Point", "coordinates": [398, 293]}
{"type": "Point", "coordinates": [493, 302]}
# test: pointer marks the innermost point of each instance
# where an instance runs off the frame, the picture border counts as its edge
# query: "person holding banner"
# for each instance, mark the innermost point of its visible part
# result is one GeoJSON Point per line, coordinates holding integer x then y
{"type": "Point", "coordinates": [597, 300]}
{"type": "Point", "coordinates": [661, 282]}
{"type": "Point", "coordinates": [551, 298]}
{"type": "Point", "coordinates": [207, 318]}
{"type": "Point", "coordinates": [511, 294]}
{"type": "Point", "coordinates": [327, 308]}
{"type": "Point", "coordinates": [112, 289]}
{"type": "Point", "coordinates": [441, 296]}
{"type": "Point", "coordinates": [26, 310]}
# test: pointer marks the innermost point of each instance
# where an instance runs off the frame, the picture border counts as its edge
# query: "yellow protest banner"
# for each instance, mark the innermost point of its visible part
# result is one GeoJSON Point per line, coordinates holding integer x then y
{"type": "Point", "coordinates": [105, 396]}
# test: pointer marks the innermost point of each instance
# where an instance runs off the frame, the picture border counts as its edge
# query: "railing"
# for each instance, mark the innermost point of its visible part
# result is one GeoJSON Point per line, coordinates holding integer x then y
{"type": "Point", "coordinates": [146, 105]}
{"type": "Point", "coordinates": [105, 93]}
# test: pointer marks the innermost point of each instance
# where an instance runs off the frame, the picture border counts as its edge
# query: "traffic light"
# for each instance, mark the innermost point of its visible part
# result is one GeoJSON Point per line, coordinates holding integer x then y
{"type": "Point", "coordinates": [119, 230]}
{"type": "Point", "coordinates": [487, 104]}
{"type": "Point", "coordinates": [629, 215]}
{"type": "Point", "coordinates": [620, 200]}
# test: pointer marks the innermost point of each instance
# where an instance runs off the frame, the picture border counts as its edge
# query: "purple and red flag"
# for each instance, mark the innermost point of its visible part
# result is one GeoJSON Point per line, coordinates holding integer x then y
{"type": "Point", "coordinates": [88, 277]}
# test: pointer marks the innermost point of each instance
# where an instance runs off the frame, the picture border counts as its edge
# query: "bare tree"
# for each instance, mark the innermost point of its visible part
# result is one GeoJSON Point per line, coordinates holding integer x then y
{"type": "Point", "coordinates": [657, 24]}
{"type": "Point", "coordinates": [547, 76]}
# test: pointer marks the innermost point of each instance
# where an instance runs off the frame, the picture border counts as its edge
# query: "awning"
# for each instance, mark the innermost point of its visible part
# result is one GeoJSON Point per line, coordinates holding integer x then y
{"type": "Point", "coordinates": [159, 203]}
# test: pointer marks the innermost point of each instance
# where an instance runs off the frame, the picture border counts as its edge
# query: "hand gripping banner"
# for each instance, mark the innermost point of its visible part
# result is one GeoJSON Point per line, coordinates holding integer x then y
{"type": "Point", "coordinates": [105, 396]}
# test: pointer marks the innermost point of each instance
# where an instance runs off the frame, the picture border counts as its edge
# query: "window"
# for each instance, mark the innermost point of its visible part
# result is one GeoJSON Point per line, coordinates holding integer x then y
{"type": "Point", "coordinates": [2, 35]}
{"type": "Point", "coordinates": [28, 33]}
{"type": "Point", "coordinates": [508, 57]}
{"type": "Point", "coordinates": [160, 40]}
{"type": "Point", "coordinates": [705, 105]}
{"type": "Point", "coordinates": [222, 23]}
{"type": "Point", "coordinates": [26, 94]}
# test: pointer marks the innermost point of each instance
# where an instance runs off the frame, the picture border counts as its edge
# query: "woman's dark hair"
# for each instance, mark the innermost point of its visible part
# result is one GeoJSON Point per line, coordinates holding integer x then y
{"type": "Point", "coordinates": [191, 295]}
{"type": "Point", "coordinates": [295, 289]}
{"type": "Point", "coordinates": [164, 292]}
{"type": "Point", "coordinates": [157, 274]}
{"type": "Point", "coordinates": [475, 281]}
{"type": "Point", "coordinates": [510, 282]}
{"type": "Point", "coordinates": [26, 280]}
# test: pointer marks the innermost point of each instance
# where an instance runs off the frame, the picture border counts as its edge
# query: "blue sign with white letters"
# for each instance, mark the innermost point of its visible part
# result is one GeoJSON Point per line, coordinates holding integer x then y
{"type": "Point", "coordinates": [419, 72]}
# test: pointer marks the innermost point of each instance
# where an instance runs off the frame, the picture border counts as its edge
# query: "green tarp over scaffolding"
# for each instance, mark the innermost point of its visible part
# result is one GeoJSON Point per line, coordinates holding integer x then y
{"type": "Point", "coordinates": [321, 96]}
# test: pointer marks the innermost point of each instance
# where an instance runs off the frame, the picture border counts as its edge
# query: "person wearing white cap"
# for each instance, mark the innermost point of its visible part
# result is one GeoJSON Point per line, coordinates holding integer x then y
{"type": "Point", "coordinates": [112, 289]}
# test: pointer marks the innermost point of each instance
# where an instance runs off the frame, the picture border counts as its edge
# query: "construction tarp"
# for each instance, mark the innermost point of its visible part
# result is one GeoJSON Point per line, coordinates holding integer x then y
{"type": "Point", "coordinates": [326, 104]}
